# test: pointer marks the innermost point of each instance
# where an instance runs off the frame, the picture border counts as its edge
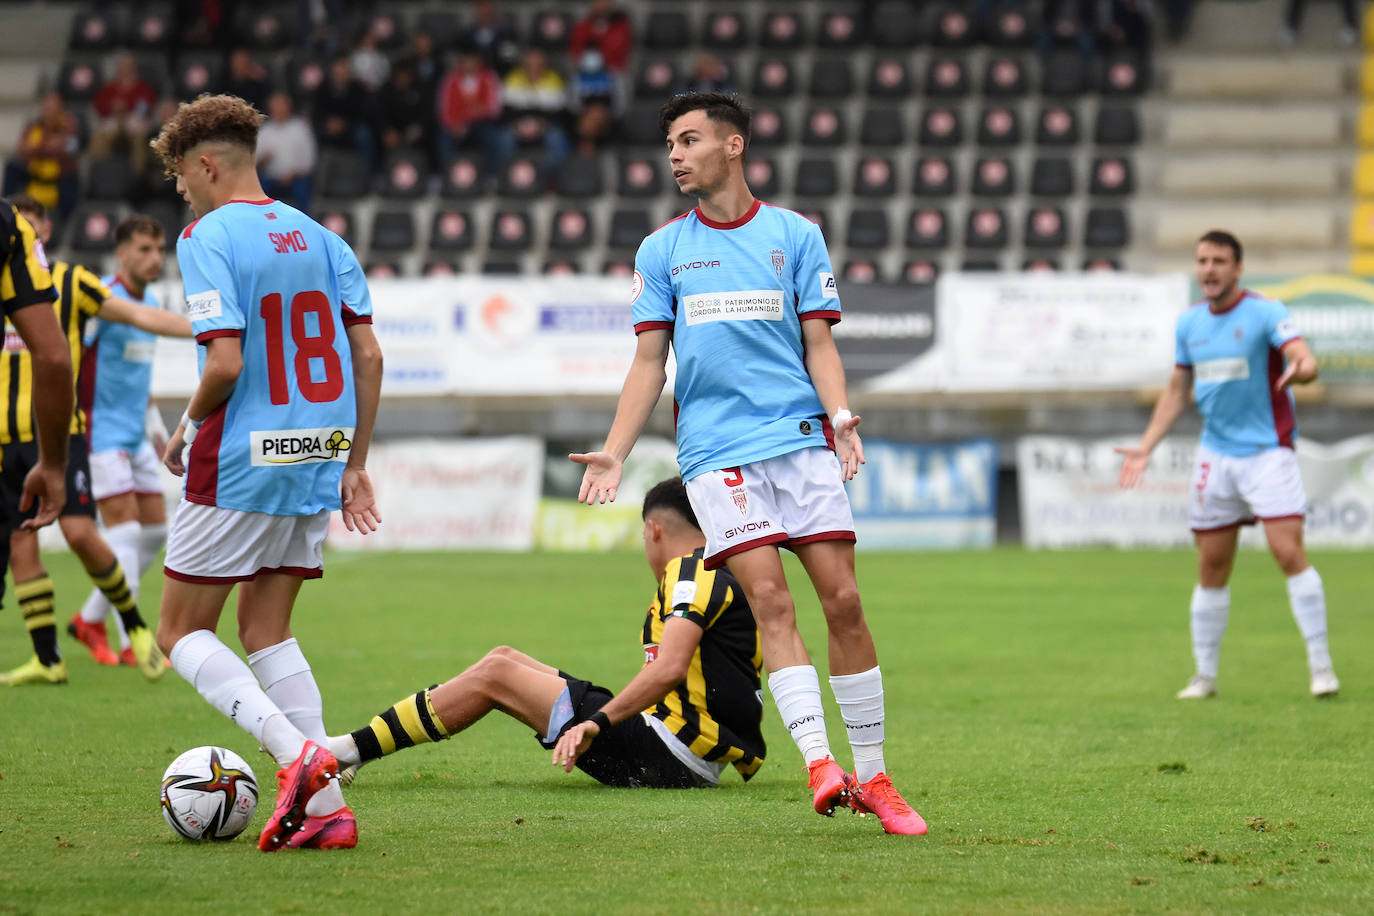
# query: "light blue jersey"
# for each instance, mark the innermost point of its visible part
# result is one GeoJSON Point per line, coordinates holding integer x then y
{"type": "Point", "coordinates": [287, 287]}
{"type": "Point", "coordinates": [116, 377]}
{"type": "Point", "coordinates": [733, 296]}
{"type": "Point", "coordinates": [1235, 360]}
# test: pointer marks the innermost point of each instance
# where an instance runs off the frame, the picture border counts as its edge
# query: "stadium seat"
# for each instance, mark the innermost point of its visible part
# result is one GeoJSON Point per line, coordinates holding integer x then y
{"type": "Point", "coordinates": [1063, 75]}
{"type": "Point", "coordinates": [1124, 73]}
{"type": "Point", "coordinates": [195, 73]}
{"type": "Point", "coordinates": [724, 30]}
{"type": "Point", "coordinates": [439, 267]}
{"type": "Point", "coordinates": [304, 75]}
{"type": "Point", "coordinates": [927, 227]}
{"type": "Point", "coordinates": [340, 222]}
{"type": "Point", "coordinates": [510, 231]}
{"type": "Point", "coordinates": [1106, 228]}
{"type": "Point", "coordinates": [344, 176]}
{"type": "Point", "coordinates": [384, 21]}
{"type": "Point", "coordinates": [824, 127]}
{"type": "Point", "coordinates": [861, 270]}
{"type": "Point", "coordinates": [100, 29]}
{"type": "Point", "coordinates": [986, 227]}
{"type": "Point", "coordinates": [628, 228]}
{"type": "Point", "coordinates": [867, 229]}
{"type": "Point", "coordinates": [1057, 126]}
{"type": "Point", "coordinates": [92, 227]}
{"type": "Point", "coordinates": [816, 177]}
{"type": "Point", "coordinates": [1052, 176]}
{"type": "Point", "coordinates": [618, 265]}
{"type": "Point", "coordinates": [443, 26]}
{"type": "Point", "coordinates": [1012, 28]}
{"type": "Point", "coordinates": [109, 178]}
{"type": "Point", "coordinates": [830, 78]}
{"type": "Point", "coordinates": [782, 29]}
{"type": "Point", "coordinates": [984, 265]}
{"type": "Point", "coordinates": [570, 229]}
{"type": "Point", "coordinates": [1112, 176]}
{"type": "Point", "coordinates": [1116, 125]}
{"type": "Point", "coordinates": [664, 30]}
{"type": "Point", "coordinates": [550, 29]}
{"type": "Point", "coordinates": [264, 28]}
{"type": "Point", "coordinates": [889, 78]}
{"type": "Point", "coordinates": [994, 176]}
{"type": "Point", "coordinates": [501, 267]}
{"type": "Point", "coordinates": [882, 125]}
{"type": "Point", "coordinates": [895, 24]}
{"type": "Point", "coordinates": [774, 77]}
{"type": "Point", "coordinates": [941, 126]}
{"type": "Point", "coordinates": [405, 176]}
{"type": "Point", "coordinates": [150, 28]}
{"type": "Point", "coordinates": [639, 127]}
{"type": "Point", "coordinates": [935, 177]}
{"type": "Point", "coordinates": [152, 69]}
{"type": "Point", "coordinates": [522, 177]}
{"type": "Point", "coordinates": [874, 176]}
{"type": "Point", "coordinates": [999, 125]}
{"type": "Point", "coordinates": [1101, 264]}
{"type": "Point", "coordinates": [172, 217]}
{"type": "Point", "coordinates": [920, 271]}
{"type": "Point", "coordinates": [1040, 264]}
{"type": "Point", "coordinates": [393, 230]}
{"type": "Point", "coordinates": [1004, 77]}
{"type": "Point", "coordinates": [769, 127]}
{"type": "Point", "coordinates": [450, 230]}
{"type": "Point", "coordinates": [840, 28]}
{"type": "Point", "coordinates": [462, 178]}
{"type": "Point", "coordinates": [947, 77]}
{"type": "Point", "coordinates": [656, 79]}
{"type": "Point", "coordinates": [1045, 228]}
{"type": "Point", "coordinates": [382, 270]}
{"type": "Point", "coordinates": [761, 172]}
{"type": "Point", "coordinates": [581, 177]}
{"type": "Point", "coordinates": [953, 29]}
{"type": "Point", "coordinates": [80, 78]}
{"type": "Point", "coordinates": [561, 267]}
{"type": "Point", "coordinates": [639, 176]}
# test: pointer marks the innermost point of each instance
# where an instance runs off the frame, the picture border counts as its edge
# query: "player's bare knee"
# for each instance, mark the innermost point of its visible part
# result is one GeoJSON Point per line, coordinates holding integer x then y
{"type": "Point", "coordinates": [843, 609]}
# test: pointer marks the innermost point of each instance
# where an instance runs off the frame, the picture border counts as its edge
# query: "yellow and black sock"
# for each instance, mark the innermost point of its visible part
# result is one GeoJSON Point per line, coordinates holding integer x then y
{"type": "Point", "coordinates": [115, 588]}
{"type": "Point", "coordinates": [410, 722]}
{"type": "Point", "coordinates": [36, 604]}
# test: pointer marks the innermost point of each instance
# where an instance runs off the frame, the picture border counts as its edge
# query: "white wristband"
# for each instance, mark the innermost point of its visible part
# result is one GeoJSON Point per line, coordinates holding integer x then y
{"type": "Point", "coordinates": [839, 415]}
{"type": "Point", "coordinates": [189, 427]}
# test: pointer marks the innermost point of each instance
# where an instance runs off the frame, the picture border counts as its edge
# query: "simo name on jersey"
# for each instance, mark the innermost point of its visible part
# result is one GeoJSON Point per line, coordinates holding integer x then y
{"type": "Point", "coordinates": [278, 447]}
{"type": "Point", "coordinates": [287, 242]}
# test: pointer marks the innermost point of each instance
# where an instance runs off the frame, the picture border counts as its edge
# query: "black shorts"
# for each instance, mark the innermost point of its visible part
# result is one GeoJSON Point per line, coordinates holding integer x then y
{"type": "Point", "coordinates": [18, 458]}
{"type": "Point", "coordinates": [629, 755]}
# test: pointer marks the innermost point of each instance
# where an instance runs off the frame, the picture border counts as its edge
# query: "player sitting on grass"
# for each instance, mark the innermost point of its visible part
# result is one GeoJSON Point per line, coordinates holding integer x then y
{"type": "Point", "coordinates": [692, 708]}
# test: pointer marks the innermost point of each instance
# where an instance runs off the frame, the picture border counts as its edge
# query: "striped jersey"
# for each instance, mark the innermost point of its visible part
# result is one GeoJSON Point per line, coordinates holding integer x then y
{"type": "Point", "coordinates": [1235, 357]}
{"type": "Point", "coordinates": [80, 296]}
{"type": "Point", "coordinates": [24, 277]}
{"type": "Point", "coordinates": [717, 711]}
{"type": "Point", "coordinates": [733, 296]}
{"type": "Point", "coordinates": [117, 377]}
{"type": "Point", "coordinates": [266, 273]}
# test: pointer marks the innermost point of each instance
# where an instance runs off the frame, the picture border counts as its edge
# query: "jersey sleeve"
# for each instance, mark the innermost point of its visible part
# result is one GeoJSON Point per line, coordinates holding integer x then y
{"type": "Point", "coordinates": [1181, 358]}
{"type": "Point", "coordinates": [90, 292]}
{"type": "Point", "coordinates": [688, 588]}
{"type": "Point", "coordinates": [357, 298]}
{"type": "Point", "coordinates": [1280, 325]}
{"type": "Point", "coordinates": [813, 277]}
{"type": "Point", "coordinates": [24, 277]}
{"type": "Point", "coordinates": [651, 295]}
{"type": "Point", "coordinates": [211, 291]}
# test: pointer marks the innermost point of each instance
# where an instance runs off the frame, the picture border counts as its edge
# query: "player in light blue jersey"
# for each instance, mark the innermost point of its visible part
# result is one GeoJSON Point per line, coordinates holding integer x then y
{"type": "Point", "coordinates": [745, 294]}
{"type": "Point", "coordinates": [278, 429]}
{"type": "Point", "coordinates": [1238, 353]}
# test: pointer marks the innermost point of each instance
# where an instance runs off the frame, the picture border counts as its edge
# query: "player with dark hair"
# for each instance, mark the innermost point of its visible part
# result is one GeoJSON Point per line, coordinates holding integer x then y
{"type": "Point", "coordinates": [745, 294]}
{"type": "Point", "coordinates": [691, 710]}
{"type": "Point", "coordinates": [1237, 353]}
{"type": "Point", "coordinates": [82, 296]}
{"type": "Point", "coordinates": [279, 429]}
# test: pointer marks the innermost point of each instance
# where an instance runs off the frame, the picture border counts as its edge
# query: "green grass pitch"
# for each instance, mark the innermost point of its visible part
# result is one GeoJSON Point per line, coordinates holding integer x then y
{"type": "Point", "coordinates": [1031, 720]}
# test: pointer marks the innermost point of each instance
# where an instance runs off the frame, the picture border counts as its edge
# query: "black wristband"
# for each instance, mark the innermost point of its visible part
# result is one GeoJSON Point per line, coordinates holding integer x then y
{"type": "Point", "coordinates": [601, 720]}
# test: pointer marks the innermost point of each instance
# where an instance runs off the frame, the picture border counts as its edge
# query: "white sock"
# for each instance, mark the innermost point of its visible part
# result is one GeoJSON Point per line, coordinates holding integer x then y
{"type": "Point", "coordinates": [344, 749]}
{"type": "Point", "coordinates": [797, 693]}
{"type": "Point", "coordinates": [150, 541]}
{"type": "Point", "coordinates": [1308, 601]}
{"type": "Point", "coordinates": [1210, 608]}
{"type": "Point", "coordinates": [286, 678]}
{"type": "Point", "coordinates": [228, 684]}
{"type": "Point", "coordinates": [861, 705]}
{"type": "Point", "coordinates": [123, 541]}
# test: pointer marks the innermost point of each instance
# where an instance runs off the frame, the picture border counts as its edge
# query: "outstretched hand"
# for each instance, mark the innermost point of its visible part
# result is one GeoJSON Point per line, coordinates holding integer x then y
{"type": "Point", "coordinates": [848, 447]}
{"type": "Point", "coordinates": [359, 502]}
{"type": "Point", "coordinates": [601, 479]}
{"type": "Point", "coordinates": [1133, 464]}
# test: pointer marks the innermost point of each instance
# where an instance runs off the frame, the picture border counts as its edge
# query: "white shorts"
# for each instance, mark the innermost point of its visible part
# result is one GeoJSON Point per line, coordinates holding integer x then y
{"type": "Point", "coordinates": [796, 498]}
{"type": "Point", "coordinates": [1228, 491]}
{"type": "Point", "coordinates": [117, 471]}
{"type": "Point", "coordinates": [214, 545]}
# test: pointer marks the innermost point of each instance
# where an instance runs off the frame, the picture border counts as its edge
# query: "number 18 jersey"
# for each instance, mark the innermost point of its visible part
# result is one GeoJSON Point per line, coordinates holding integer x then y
{"type": "Point", "coordinates": [288, 288]}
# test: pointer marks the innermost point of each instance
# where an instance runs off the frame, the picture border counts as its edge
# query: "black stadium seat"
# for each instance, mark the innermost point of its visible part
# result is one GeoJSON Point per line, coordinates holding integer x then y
{"type": "Point", "coordinates": [340, 222]}
{"type": "Point", "coordinates": [109, 178]}
{"type": "Point", "coordinates": [874, 176]}
{"type": "Point", "coordinates": [1052, 176]}
{"type": "Point", "coordinates": [1063, 75]}
{"type": "Point", "coordinates": [92, 227]}
{"type": "Point", "coordinates": [889, 77]}
{"type": "Point", "coordinates": [561, 267]}
{"type": "Point", "coordinates": [782, 29]}
{"type": "Point", "coordinates": [895, 24]}
{"type": "Point", "coordinates": [150, 28]}
{"type": "Point", "coordinates": [344, 176]}
{"type": "Point", "coordinates": [882, 125]}
{"type": "Point", "coordinates": [941, 126]}
{"type": "Point", "coordinates": [825, 126]}
{"type": "Point", "coordinates": [1112, 176]}
{"type": "Point", "coordinates": [461, 178]}
{"type": "Point", "coordinates": [405, 176]}
{"type": "Point", "coordinates": [581, 177]}
{"type": "Point", "coordinates": [769, 127]}
{"type": "Point", "coordinates": [1040, 264]}
{"type": "Point", "coordinates": [986, 227]}
{"type": "Point", "coordinates": [628, 228]}
{"type": "Point", "coordinates": [831, 78]}
{"type": "Point", "coordinates": [999, 125]}
{"type": "Point", "coordinates": [549, 30]}
{"type": "Point", "coordinates": [1012, 28]}
{"type": "Point", "coordinates": [393, 230]}
{"type": "Point", "coordinates": [1106, 228]}
{"type": "Point", "coordinates": [774, 77]}
{"type": "Point", "coordinates": [522, 177]}
{"type": "Point", "coordinates": [953, 29]}
{"type": "Point", "coordinates": [639, 127]}
{"type": "Point", "coordinates": [665, 30]}
{"type": "Point", "coordinates": [195, 73]}
{"type": "Point", "coordinates": [920, 271]}
{"type": "Point", "coordinates": [994, 176]}
{"type": "Point", "coordinates": [724, 30]}
{"type": "Point", "coordinates": [947, 77]}
{"type": "Point", "coordinates": [935, 177]}
{"type": "Point", "coordinates": [840, 28]}
{"type": "Point", "coordinates": [80, 78]}
{"type": "Point", "coordinates": [639, 176]}
{"type": "Point", "coordinates": [867, 229]}
{"type": "Point", "coordinates": [1116, 125]}
{"type": "Point", "coordinates": [1057, 126]}
{"type": "Point", "coordinates": [97, 29]}
{"type": "Point", "coordinates": [500, 267]}
{"type": "Point", "coordinates": [1124, 73]}
{"type": "Point", "coordinates": [1004, 77]}
{"type": "Point", "coordinates": [761, 172]}
{"type": "Point", "coordinates": [264, 28]}
{"type": "Point", "coordinates": [450, 230]}
{"type": "Point", "coordinates": [656, 79]}
{"type": "Point", "coordinates": [1045, 228]}
{"type": "Point", "coordinates": [861, 270]}
{"type": "Point", "coordinates": [927, 227]}
{"type": "Point", "coordinates": [816, 178]}
{"type": "Point", "coordinates": [510, 231]}
{"type": "Point", "coordinates": [570, 229]}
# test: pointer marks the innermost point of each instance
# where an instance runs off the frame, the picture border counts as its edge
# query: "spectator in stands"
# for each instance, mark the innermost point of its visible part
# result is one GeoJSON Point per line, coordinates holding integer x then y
{"type": "Point", "coordinates": [124, 106]}
{"type": "Point", "coordinates": [1124, 24]}
{"type": "Point", "coordinates": [1069, 24]}
{"type": "Point", "coordinates": [204, 23]}
{"type": "Point", "coordinates": [608, 31]}
{"type": "Point", "coordinates": [316, 22]}
{"type": "Point", "coordinates": [247, 78]}
{"type": "Point", "coordinates": [407, 112]}
{"type": "Point", "coordinates": [1294, 10]}
{"type": "Point", "coordinates": [594, 96]}
{"type": "Point", "coordinates": [429, 66]}
{"type": "Point", "coordinates": [709, 74]}
{"type": "Point", "coordinates": [536, 105]}
{"type": "Point", "coordinates": [45, 164]}
{"type": "Point", "coordinates": [344, 111]}
{"type": "Point", "coordinates": [470, 112]}
{"type": "Point", "coordinates": [286, 153]}
{"type": "Point", "coordinates": [491, 36]}
{"type": "Point", "coordinates": [370, 66]}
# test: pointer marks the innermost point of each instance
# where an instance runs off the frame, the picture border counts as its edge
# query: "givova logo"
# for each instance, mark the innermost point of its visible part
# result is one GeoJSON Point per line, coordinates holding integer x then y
{"type": "Point", "coordinates": [279, 447]}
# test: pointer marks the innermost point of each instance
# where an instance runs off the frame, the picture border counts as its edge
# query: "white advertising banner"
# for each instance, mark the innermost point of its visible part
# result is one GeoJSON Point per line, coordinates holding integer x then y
{"type": "Point", "coordinates": [1070, 498]}
{"type": "Point", "coordinates": [1047, 332]}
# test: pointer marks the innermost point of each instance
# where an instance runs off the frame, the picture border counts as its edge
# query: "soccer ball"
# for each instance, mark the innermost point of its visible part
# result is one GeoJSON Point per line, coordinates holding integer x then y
{"type": "Point", "coordinates": [209, 792]}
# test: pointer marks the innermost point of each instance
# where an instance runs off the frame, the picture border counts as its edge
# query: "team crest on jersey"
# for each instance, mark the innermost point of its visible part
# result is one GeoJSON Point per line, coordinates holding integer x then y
{"type": "Point", "coordinates": [741, 498]}
{"type": "Point", "coordinates": [779, 260]}
{"type": "Point", "coordinates": [277, 447]}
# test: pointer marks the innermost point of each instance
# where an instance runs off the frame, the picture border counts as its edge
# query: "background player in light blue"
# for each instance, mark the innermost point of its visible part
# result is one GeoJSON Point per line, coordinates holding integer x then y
{"type": "Point", "coordinates": [746, 296]}
{"type": "Point", "coordinates": [1238, 353]}
{"type": "Point", "coordinates": [278, 428]}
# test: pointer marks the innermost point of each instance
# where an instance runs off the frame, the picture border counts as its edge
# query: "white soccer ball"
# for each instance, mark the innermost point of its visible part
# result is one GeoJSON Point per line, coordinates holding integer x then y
{"type": "Point", "coordinates": [209, 793]}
